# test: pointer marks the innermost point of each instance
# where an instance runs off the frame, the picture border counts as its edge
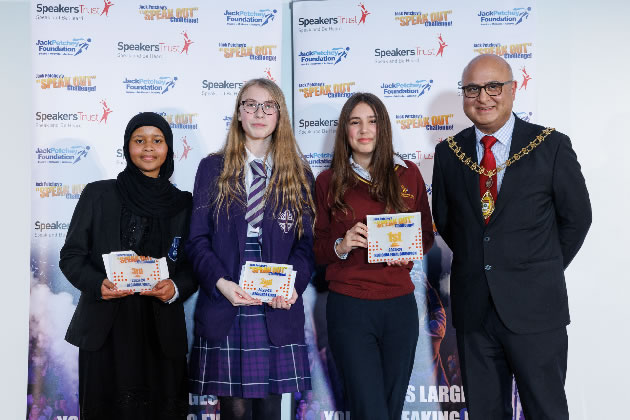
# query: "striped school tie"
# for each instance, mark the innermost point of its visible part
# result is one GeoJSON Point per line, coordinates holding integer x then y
{"type": "Point", "coordinates": [255, 199]}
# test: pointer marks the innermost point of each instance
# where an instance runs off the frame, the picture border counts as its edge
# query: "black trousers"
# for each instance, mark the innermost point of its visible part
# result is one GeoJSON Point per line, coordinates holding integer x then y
{"type": "Point", "coordinates": [373, 343]}
{"type": "Point", "coordinates": [490, 356]}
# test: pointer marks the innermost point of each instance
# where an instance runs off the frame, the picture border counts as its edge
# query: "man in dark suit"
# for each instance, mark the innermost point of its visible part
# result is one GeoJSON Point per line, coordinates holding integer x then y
{"type": "Point", "coordinates": [514, 220]}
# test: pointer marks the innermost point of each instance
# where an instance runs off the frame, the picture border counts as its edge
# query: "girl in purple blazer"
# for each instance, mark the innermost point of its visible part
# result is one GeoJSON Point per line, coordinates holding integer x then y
{"type": "Point", "coordinates": [252, 201]}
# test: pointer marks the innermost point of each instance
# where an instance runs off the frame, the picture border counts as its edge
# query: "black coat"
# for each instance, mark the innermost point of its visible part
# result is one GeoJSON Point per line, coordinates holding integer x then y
{"type": "Point", "coordinates": [95, 230]}
{"type": "Point", "coordinates": [540, 221]}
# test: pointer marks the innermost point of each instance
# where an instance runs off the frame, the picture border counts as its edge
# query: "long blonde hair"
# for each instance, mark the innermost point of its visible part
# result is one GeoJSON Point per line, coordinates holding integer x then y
{"type": "Point", "coordinates": [290, 185]}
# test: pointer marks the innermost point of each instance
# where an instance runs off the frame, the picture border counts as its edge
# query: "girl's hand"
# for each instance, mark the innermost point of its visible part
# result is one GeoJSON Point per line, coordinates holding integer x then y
{"type": "Point", "coordinates": [279, 302]}
{"type": "Point", "coordinates": [398, 263]}
{"type": "Point", "coordinates": [234, 293]}
{"type": "Point", "coordinates": [355, 237]}
{"type": "Point", "coordinates": [109, 291]}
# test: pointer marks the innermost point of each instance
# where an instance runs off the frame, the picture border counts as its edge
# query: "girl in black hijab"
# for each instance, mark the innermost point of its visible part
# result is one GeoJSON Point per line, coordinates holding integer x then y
{"type": "Point", "coordinates": [132, 347]}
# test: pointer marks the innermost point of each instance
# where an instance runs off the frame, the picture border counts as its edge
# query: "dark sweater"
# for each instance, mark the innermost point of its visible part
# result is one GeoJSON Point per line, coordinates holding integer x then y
{"type": "Point", "coordinates": [354, 276]}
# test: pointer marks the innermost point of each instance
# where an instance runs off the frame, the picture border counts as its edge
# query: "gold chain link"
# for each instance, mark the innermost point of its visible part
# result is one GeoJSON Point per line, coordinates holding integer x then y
{"type": "Point", "coordinates": [483, 171]}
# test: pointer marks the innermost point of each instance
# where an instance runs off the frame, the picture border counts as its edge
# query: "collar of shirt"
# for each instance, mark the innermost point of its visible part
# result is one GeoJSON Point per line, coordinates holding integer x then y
{"type": "Point", "coordinates": [503, 136]}
{"type": "Point", "coordinates": [363, 173]}
{"type": "Point", "coordinates": [268, 161]}
{"type": "Point", "coordinates": [249, 176]}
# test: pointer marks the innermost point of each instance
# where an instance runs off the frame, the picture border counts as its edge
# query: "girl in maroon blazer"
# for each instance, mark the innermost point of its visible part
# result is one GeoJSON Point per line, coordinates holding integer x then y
{"type": "Point", "coordinates": [252, 201]}
{"type": "Point", "coordinates": [371, 310]}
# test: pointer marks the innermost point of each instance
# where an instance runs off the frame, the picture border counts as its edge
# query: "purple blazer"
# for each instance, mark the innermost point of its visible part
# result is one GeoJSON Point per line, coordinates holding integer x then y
{"type": "Point", "coordinates": [216, 246]}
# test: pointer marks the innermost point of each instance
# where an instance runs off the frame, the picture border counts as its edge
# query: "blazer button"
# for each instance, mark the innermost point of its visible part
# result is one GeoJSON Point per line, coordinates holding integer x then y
{"type": "Point", "coordinates": [488, 267]}
{"type": "Point", "coordinates": [486, 239]}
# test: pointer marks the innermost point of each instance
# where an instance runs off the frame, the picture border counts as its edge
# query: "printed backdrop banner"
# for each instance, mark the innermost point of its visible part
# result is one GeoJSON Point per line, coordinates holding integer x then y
{"type": "Point", "coordinates": [96, 63]}
{"type": "Point", "coordinates": [410, 55]}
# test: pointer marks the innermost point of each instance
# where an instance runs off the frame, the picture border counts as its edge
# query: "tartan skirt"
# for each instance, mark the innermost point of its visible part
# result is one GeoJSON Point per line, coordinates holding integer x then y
{"type": "Point", "coordinates": [245, 363]}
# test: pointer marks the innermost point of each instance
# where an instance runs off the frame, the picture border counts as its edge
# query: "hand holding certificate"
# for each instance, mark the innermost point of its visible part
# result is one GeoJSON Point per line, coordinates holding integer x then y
{"type": "Point", "coordinates": [266, 281]}
{"type": "Point", "coordinates": [394, 237]}
{"type": "Point", "coordinates": [131, 272]}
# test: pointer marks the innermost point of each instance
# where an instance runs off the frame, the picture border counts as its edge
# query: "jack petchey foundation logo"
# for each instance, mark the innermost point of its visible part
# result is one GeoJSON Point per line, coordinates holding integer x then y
{"type": "Point", "coordinates": [524, 115]}
{"type": "Point", "coordinates": [406, 89]}
{"type": "Point", "coordinates": [163, 13]}
{"type": "Point", "coordinates": [237, 50]}
{"type": "Point", "coordinates": [65, 47]}
{"type": "Point", "coordinates": [177, 46]}
{"type": "Point", "coordinates": [150, 86]}
{"type": "Point", "coordinates": [69, 12]}
{"type": "Point", "coordinates": [336, 22]}
{"type": "Point", "coordinates": [521, 50]}
{"type": "Point", "coordinates": [329, 90]}
{"type": "Point", "coordinates": [72, 83]}
{"type": "Point", "coordinates": [428, 19]}
{"type": "Point", "coordinates": [73, 119]}
{"type": "Point", "coordinates": [332, 56]}
{"type": "Point", "coordinates": [243, 17]}
{"type": "Point", "coordinates": [508, 17]}
{"type": "Point", "coordinates": [438, 122]}
{"type": "Point", "coordinates": [62, 155]}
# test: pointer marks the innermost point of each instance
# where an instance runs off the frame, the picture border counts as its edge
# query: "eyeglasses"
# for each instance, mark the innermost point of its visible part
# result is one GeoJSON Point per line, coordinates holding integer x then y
{"type": "Point", "coordinates": [250, 106]}
{"type": "Point", "coordinates": [492, 89]}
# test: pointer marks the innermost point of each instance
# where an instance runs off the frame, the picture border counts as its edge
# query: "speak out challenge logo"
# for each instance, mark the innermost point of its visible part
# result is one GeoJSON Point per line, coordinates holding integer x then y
{"type": "Point", "coordinates": [439, 18]}
{"type": "Point", "coordinates": [163, 13]}
{"type": "Point", "coordinates": [72, 83]}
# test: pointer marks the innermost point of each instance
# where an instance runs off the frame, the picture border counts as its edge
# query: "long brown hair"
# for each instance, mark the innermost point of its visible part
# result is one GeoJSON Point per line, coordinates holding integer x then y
{"type": "Point", "coordinates": [289, 185]}
{"type": "Point", "coordinates": [385, 186]}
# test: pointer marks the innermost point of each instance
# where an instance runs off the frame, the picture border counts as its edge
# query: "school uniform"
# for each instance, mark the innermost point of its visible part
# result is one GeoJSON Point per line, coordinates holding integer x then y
{"type": "Point", "coordinates": [371, 311]}
{"type": "Point", "coordinates": [247, 351]}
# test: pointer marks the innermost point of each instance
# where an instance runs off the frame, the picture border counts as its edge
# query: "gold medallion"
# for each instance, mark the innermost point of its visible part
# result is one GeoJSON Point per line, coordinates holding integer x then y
{"type": "Point", "coordinates": [487, 205]}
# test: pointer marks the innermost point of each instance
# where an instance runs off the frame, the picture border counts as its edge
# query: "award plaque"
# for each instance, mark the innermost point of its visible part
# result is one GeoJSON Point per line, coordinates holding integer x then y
{"type": "Point", "coordinates": [265, 281]}
{"type": "Point", "coordinates": [394, 237]}
{"type": "Point", "coordinates": [129, 271]}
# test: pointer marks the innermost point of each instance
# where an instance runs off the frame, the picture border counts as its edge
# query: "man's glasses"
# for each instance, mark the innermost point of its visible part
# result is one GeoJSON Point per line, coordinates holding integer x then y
{"type": "Point", "coordinates": [492, 89]}
{"type": "Point", "coordinates": [250, 106]}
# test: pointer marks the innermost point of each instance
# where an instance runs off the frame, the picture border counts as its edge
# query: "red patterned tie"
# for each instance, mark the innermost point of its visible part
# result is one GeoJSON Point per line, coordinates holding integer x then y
{"type": "Point", "coordinates": [488, 185]}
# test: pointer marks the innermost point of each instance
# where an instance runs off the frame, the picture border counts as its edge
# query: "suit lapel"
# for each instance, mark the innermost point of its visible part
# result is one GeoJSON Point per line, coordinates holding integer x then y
{"type": "Point", "coordinates": [521, 136]}
{"type": "Point", "coordinates": [471, 178]}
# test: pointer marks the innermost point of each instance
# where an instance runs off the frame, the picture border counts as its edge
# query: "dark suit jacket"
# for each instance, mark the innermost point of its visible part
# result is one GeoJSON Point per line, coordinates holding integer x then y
{"type": "Point", "coordinates": [95, 230]}
{"type": "Point", "coordinates": [541, 218]}
{"type": "Point", "coordinates": [216, 248]}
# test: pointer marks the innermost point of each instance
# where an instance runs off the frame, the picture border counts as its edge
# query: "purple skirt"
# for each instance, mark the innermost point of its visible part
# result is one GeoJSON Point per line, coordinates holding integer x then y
{"type": "Point", "coordinates": [245, 363]}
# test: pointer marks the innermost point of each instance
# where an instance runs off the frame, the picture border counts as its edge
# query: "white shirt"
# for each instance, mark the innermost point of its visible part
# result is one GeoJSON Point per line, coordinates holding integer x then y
{"type": "Point", "coordinates": [500, 149]}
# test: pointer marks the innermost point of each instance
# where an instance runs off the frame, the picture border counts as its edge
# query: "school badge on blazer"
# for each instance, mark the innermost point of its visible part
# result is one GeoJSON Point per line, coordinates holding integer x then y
{"type": "Point", "coordinates": [285, 220]}
{"type": "Point", "coordinates": [172, 252]}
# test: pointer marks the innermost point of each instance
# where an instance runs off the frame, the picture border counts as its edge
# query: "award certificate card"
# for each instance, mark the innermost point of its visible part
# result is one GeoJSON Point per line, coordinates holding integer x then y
{"type": "Point", "coordinates": [265, 281]}
{"type": "Point", "coordinates": [393, 237]}
{"type": "Point", "coordinates": [129, 271]}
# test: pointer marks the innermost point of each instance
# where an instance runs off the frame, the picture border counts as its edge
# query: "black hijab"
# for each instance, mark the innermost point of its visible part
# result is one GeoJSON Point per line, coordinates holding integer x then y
{"type": "Point", "coordinates": [148, 203]}
{"type": "Point", "coordinates": [141, 194]}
